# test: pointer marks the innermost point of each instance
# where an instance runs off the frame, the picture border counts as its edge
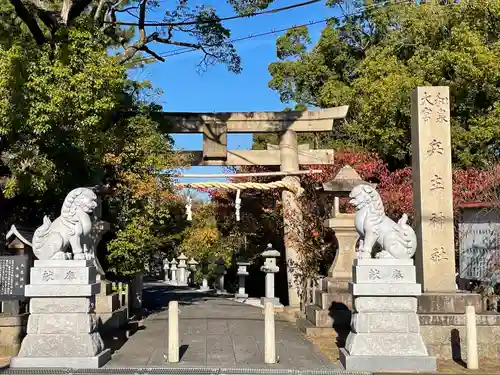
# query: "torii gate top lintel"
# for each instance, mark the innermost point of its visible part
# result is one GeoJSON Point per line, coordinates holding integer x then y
{"type": "Point", "coordinates": [252, 122]}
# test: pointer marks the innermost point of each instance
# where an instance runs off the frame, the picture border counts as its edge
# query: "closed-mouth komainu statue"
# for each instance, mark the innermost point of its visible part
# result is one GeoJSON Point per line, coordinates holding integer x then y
{"type": "Point", "coordinates": [397, 240]}
{"type": "Point", "coordinates": [73, 227]}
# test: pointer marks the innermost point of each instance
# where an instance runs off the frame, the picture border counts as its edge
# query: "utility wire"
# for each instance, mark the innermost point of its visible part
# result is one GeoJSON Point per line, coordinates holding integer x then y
{"type": "Point", "coordinates": [183, 50]}
{"type": "Point", "coordinates": [217, 20]}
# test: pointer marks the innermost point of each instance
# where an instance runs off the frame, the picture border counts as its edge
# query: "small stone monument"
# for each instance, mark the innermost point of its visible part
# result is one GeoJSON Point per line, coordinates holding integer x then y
{"type": "Point", "coordinates": [166, 269]}
{"type": "Point", "coordinates": [192, 271]}
{"type": "Point", "coordinates": [270, 268]}
{"type": "Point", "coordinates": [181, 277]}
{"type": "Point", "coordinates": [204, 272]}
{"type": "Point", "coordinates": [62, 327]}
{"type": "Point", "coordinates": [242, 274]}
{"type": "Point", "coordinates": [221, 271]}
{"type": "Point", "coordinates": [385, 330]}
{"type": "Point", "coordinates": [173, 272]}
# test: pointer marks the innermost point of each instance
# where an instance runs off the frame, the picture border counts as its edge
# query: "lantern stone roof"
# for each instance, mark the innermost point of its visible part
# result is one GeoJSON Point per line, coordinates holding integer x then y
{"type": "Point", "coordinates": [345, 180]}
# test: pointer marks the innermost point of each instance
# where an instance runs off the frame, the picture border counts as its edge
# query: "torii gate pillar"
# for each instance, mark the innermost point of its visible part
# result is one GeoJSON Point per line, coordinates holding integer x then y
{"type": "Point", "coordinates": [292, 215]}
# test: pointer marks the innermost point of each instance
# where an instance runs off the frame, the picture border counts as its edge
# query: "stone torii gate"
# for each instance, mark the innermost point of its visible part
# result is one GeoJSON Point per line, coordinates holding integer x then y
{"type": "Point", "coordinates": [287, 154]}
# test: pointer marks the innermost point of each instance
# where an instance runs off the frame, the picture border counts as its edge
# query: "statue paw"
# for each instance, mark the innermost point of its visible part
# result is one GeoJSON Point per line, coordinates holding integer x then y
{"type": "Point", "coordinates": [60, 255]}
{"type": "Point", "coordinates": [384, 255]}
{"type": "Point", "coordinates": [79, 256]}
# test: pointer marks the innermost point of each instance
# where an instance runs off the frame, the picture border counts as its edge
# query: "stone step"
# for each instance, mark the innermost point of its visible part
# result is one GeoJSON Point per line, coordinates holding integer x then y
{"type": "Point", "coordinates": [337, 300]}
{"type": "Point", "coordinates": [108, 322]}
{"type": "Point", "coordinates": [327, 318]}
{"type": "Point", "coordinates": [307, 328]}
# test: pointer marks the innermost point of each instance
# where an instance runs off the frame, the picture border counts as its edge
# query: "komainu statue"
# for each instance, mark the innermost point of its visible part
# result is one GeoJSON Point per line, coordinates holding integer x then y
{"type": "Point", "coordinates": [397, 240]}
{"type": "Point", "coordinates": [73, 227]}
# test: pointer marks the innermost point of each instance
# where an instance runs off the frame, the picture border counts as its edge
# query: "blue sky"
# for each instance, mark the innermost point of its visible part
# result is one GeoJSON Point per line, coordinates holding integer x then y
{"type": "Point", "coordinates": [217, 90]}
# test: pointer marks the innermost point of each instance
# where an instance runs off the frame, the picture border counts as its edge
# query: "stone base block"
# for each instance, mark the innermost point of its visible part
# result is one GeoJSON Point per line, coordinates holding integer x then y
{"type": "Point", "coordinates": [379, 289]}
{"type": "Point", "coordinates": [62, 362]}
{"type": "Point", "coordinates": [241, 296]}
{"type": "Point", "coordinates": [61, 345]}
{"type": "Point", "coordinates": [70, 290]}
{"type": "Point", "coordinates": [78, 323]}
{"type": "Point", "coordinates": [56, 305]}
{"type": "Point", "coordinates": [389, 343]}
{"type": "Point", "coordinates": [373, 363]}
{"type": "Point", "coordinates": [204, 289]}
{"type": "Point", "coordinates": [448, 303]}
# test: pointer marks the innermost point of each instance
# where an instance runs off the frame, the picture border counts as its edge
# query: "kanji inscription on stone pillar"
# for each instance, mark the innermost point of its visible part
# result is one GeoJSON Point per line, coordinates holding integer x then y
{"type": "Point", "coordinates": [432, 189]}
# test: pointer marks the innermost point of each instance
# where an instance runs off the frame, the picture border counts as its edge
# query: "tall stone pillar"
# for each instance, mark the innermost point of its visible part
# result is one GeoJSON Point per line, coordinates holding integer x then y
{"type": "Point", "coordinates": [292, 215]}
{"type": "Point", "coordinates": [433, 201]}
{"type": "Point", "coordinates": [62, 327]}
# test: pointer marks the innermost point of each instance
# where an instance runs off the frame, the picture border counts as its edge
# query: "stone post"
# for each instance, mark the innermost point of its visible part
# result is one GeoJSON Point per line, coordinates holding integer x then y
{"type": "Point", "coordinates": [181, 279]}
{"type": "Point", "coordinates": [292, 215]}
{"type": "Point", "coordinates": [62, 326]}
{"type": "Point", "coordinates": [192, 271]}
{"type": "Point", "coordinates": [166, 268]}
{"type": "Point", "coordinates": [242, 274]}
{"type": "Point", "coordinates": [385, 329]}
{"type": "Point", "coordinates": [270, 268]}
{"type": "Point", "coordinates": [204, 272]}
{"type": "Point", "coordinates": [173, 270]}
{"type": "Point", "coordinates": [433, 202]}
{"type": "Point", "coordinates": [221, 271]}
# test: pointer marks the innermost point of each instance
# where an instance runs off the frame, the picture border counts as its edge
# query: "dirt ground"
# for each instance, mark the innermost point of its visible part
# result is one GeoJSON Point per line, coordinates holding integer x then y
{"type": "Point", "coordinates": [489, 366]}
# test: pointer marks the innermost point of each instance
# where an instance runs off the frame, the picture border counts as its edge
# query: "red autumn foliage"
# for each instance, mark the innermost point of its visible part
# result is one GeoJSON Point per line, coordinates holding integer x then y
{"type": "Point", "coordinates": [396, 187]}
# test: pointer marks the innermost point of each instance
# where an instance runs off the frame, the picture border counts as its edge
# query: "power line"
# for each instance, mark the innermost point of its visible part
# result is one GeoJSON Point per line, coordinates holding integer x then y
{"type": "Point", "coordinates": [183, 50]}
{"type": "Point", "coordinates": [217, 20]}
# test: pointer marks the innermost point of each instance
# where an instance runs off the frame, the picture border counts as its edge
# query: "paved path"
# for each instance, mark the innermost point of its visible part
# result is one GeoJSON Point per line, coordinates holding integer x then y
{"type": "Point", "coordinates": [214, 332]}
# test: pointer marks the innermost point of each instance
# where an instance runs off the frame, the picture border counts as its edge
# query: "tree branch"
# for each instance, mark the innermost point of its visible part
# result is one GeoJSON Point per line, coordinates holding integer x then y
{"type": "Point", "coordinates": [71, 9]}
{"type": "Point", "coordinates": [23, 13]}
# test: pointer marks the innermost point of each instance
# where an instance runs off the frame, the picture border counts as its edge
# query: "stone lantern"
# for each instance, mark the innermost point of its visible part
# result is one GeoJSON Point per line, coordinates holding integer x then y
{"type": "Point", "coordinates": [242, 274]}
{"type": "Point", "coordinates": [343, 224]}
{"type": "Point", "coordinates": [173, 272]}
{"type": "Point", "coordinates": [166, 268]}
{"type": "Point", "coordinates": [181, 280]}
{"type": "Point", "coordinates": [191, 271]}
{"type": "Point", "coordinates": [204, 272]}
{"type": "Point", "coordinates": [270, 268]}
{"type": "Point", "coordinates": [335, 286]}
{"type": "Point", "coordinates": [221, 271]}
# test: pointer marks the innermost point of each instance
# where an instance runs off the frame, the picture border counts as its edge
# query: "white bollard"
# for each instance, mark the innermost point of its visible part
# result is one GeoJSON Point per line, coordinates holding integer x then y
{"type": "Point", "coordinates": [173, 332]}
{"type": "Point", "coordinates": [470, 326]}
{"type": "Point", "coordinates": [269, 333]}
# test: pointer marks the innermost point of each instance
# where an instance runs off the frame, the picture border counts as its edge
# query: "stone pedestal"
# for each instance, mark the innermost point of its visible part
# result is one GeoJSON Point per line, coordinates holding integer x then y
{"type": "Point", "coordinates": [270, 268]}
{"type": "Point", "coordinates": [221, 271]}
{"type": "Point", "coordinates": [204, 271]}
{"type": "Point", "coordinates": [385, 329]}
{"type": "Point", "coordinates": [181, 277]}
{"type": "Point", "coordinates": [242, 274]}
{"type": "Point", "coordinates": [62, 327]}
{"type": "Point", "coordinates": [173, 272]}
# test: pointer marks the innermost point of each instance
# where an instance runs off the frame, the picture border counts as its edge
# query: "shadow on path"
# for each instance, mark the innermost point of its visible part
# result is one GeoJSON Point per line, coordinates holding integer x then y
{"type": "Point", "coordinates": [215, 331]}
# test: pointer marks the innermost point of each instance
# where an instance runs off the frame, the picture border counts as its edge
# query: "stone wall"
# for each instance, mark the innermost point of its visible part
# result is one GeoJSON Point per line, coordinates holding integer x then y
{"type": "Point", "coordinates": [445, 335]}
{"type": "Point", "coordinates": [12, 332]}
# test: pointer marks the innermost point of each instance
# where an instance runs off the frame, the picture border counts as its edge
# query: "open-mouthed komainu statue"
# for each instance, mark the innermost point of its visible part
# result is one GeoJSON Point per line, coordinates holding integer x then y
{"type": "Point", "coordinates": [73, 227]}
{"type": "Point", "coordinates": [397, 240]}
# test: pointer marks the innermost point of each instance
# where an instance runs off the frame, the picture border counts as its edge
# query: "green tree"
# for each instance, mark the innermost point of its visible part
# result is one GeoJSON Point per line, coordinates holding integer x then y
{"type": "Point", "coordinates": [70, 117]}
{"type": "Point", "coordinates": [372, 57]}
